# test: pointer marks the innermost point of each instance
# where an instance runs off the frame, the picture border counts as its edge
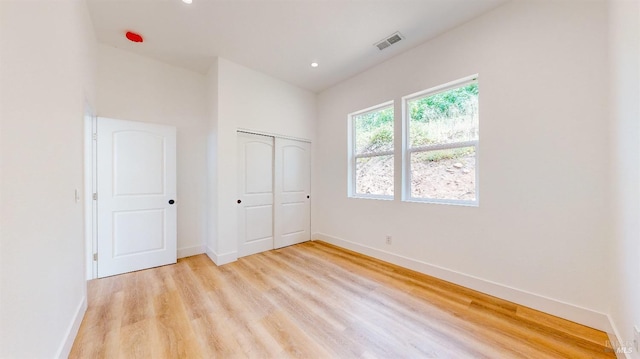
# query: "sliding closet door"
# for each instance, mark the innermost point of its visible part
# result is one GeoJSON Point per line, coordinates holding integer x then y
{"type": "Point", "coordinates": [255, 188]}
{"type": "Point", "coordinates": [292, 212]}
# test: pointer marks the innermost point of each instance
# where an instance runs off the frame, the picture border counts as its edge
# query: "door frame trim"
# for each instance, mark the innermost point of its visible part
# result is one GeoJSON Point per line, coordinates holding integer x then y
{"type": "Point", "coordinates": [90, 176]}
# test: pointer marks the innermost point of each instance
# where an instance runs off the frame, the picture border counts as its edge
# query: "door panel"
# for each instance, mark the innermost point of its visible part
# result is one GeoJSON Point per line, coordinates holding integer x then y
{"type": "Point", "coordinates": [292, 215]}
{"type": "Point", "coordinates": [260, 220]}
{"type": "Point", "coordinates": [255, 212]}
{"type": "Point", "coordinates": [294, 164]}
{"type": "Point", "coordinates": [136, 178]}
{"type": "Point", "coordinates": [258, 166]}
{"type": "Point", "coordinates": [138, 163]}
{"type": "Point", "coordinates": [138, 231]}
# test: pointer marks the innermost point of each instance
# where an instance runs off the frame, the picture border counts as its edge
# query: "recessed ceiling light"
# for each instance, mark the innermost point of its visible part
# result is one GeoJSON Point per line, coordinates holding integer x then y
{"type": "Point", "coordinates": [187, 1]}
{"type": "Point", "coordinates": [314, 64]}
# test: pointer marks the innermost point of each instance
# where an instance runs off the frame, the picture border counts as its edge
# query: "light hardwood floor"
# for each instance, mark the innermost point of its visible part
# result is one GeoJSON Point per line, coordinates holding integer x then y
{"type": "Point", "coordinates": [313, 300]}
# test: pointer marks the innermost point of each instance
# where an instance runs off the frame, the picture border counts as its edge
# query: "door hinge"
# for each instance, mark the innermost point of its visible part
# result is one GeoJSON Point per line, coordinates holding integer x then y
{"type": "Point", "coordinates": [95, 196]}
{"type": "Point", "coordinates": [95, 136]}
{"type": "Point", "coordinates": [95, 257]}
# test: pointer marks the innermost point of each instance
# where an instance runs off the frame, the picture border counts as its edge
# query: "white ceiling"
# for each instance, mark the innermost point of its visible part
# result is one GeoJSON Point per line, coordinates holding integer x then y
{"type": "Point", "coordinates": [279, 38]}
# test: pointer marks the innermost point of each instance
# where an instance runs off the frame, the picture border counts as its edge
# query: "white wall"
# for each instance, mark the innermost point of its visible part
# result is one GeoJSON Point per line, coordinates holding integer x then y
{"type": "Point", "coordinates": [539, 234]}
{"type": "Point", "coordinates": [544, 218]}
{"type": "Point", "coordinates": [136, 88]}
{"type": "Point", "coordinates": [247, 99]}
{"type": "Point", "coordinates": [625, 106]}
{"type": "Point", "coordinates": [212, 160]}
{"type": "Point", "coordinates": [47, 52]}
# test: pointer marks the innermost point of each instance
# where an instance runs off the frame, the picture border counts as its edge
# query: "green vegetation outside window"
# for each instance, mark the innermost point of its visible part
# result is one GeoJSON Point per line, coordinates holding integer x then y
{"type": "Point", "coordinates": [371, 153]}
{"type": "Point", "coordinates": [442, 144]}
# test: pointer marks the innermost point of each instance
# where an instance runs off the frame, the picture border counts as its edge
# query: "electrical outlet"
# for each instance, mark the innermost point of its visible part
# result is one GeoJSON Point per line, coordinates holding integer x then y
{"type": "Point", "coordinates": [389, 239]}
{"type": "Point", "coordinates": [636, 337]}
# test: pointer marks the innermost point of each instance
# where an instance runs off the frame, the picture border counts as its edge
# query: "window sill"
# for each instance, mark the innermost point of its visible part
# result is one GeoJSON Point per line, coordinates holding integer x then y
{"type": "Point", "coordinates": [444, 202]}
{"type": "Point", "coordinates": [381, 198]}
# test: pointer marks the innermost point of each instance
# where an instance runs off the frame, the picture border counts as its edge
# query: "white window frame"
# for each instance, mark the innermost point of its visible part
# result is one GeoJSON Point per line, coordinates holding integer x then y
{"type": "Point", "coordinates": [407, 150]}
{"type": "Point", "coordinates": [353, 156]}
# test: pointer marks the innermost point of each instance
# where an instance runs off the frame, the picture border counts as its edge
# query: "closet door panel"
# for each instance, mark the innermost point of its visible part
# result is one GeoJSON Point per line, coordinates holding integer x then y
{"type": "Point", "coordinates": [292, 210]}
{"type": "Point", "coordinates": [255, 198]}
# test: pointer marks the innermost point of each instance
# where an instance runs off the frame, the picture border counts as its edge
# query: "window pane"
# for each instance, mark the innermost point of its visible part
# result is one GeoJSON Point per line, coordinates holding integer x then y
{"type": "Point", "coordinates": [444, 174]}
{"type": "Point", "coordinates": [446, 117]}
{"type": "Point", "coordinates": [374, 175]}
{"type": "Point", "coordinates": [374, 131]}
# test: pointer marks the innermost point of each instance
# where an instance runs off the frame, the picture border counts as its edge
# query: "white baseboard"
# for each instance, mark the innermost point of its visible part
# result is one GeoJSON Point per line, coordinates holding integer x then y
{"type": "Point", "coordinates": [72, 330]}
{"type": "Point", "coordinates": [191, 251]}
{"type": "Point", "coordinates": [622, 349]}
{"type": "Point", "coordinates": [555, 307]}
{"type": "Point", "coordinates": [221, 259]}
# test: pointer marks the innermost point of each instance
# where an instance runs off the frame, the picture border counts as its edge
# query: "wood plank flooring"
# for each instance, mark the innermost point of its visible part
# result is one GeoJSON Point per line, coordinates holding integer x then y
{"type": "Point", "coordinates": [313, 300]}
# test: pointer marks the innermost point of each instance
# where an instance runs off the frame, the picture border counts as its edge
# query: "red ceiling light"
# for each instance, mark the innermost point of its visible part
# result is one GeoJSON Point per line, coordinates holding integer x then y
{"type": "Point", "coordinates": [132, 36]}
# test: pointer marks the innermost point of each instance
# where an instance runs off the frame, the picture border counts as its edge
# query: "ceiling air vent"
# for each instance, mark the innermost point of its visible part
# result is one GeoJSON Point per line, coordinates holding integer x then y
{"type": "Point", "coordinates": [390, 40]}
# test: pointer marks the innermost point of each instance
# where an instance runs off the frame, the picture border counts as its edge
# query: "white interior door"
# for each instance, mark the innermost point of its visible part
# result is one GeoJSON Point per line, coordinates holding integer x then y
{"type": "Point", "coordinates": [136, 183]}
{"type": "Point", "coordinates": [255, 199]}
{"type": "Point", "coordinates": [292, 215]}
